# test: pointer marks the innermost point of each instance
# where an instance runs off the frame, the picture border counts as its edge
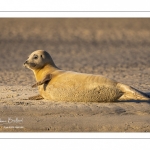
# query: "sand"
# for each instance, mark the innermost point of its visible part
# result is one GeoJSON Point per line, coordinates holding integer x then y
{"type": "Point", "coordinates": [116, 48]}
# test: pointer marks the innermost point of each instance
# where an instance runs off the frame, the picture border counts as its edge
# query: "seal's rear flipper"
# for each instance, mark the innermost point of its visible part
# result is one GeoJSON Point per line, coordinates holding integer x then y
{"type": "Point", "coordinates": [37, 97]}
{"type": "Point", "coordinates": [45, 80]}
{"type": "Point", "coordinates": [131, 93]}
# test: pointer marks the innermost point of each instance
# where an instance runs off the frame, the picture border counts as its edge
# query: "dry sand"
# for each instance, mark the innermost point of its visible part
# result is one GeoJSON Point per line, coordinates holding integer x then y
{"type": "Point", "coordinates": [116, 48]}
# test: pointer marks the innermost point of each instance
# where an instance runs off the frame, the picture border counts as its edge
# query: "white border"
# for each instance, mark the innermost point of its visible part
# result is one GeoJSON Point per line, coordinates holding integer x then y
{"type": "Point", "coordinates": [78, 144]}
{"type": "Point", "coordinates": [74, 5]}
{"type": "Point", "coordinates": [74, 14]}
{"type": "Point", "coordinates": [75, 135]}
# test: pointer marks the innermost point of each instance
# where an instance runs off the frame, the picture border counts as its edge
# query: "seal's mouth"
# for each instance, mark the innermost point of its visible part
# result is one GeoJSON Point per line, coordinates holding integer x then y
{"type": "Point", "coordinates": [32, 65]}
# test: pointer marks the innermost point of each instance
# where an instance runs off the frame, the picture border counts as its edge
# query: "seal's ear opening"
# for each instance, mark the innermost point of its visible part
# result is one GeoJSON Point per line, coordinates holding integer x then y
{"type": "Point", "coordinates": [41, 56]}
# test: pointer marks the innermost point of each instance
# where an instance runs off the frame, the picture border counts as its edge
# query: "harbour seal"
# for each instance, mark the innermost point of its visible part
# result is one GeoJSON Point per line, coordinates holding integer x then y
{"type": "Point", "coordinates": [56, 84]}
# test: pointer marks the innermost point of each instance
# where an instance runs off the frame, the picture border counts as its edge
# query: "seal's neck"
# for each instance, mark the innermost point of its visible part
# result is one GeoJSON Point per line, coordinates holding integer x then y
{"type": "Point", "coordinates": [42, 72]}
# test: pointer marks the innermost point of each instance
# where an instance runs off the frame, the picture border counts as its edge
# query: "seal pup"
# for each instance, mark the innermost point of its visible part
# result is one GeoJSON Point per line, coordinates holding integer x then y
{"type": "Point", "coordinates": [56, 84]}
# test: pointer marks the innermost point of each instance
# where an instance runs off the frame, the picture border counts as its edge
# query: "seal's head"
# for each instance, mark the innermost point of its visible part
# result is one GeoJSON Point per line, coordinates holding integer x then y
{"type": "Point", "coordinates": [38, 59]}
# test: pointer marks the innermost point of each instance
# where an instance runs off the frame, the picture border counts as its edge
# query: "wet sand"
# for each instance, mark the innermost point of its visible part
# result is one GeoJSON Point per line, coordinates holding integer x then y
{"type": "Point", "coordinates": [116, 48]}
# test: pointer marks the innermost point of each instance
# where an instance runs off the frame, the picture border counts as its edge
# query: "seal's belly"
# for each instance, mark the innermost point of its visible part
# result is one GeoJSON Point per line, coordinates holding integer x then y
{"type": "Point", "coordinates": [80, 91]}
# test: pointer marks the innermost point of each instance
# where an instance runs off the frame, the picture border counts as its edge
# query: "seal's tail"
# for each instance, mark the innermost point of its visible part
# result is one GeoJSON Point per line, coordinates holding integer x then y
{"type": "Point", "coordinates": [131, 93]}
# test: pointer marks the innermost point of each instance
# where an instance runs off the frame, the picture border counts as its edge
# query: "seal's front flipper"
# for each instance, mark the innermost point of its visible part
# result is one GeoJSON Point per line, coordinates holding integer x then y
{"type": "Point", "coordinates": [37, 97]}
{"type": "Point", "coordinates": [45, 80]}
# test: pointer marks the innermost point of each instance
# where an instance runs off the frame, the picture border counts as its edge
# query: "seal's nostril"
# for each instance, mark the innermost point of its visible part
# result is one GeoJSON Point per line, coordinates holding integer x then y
{"type": "Point", "coordinates": [25, 62]}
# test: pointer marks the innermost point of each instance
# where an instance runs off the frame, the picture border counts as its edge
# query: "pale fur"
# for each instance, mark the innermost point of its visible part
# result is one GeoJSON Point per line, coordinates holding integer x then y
{"type": "Point", "coordinates": [77, 87]}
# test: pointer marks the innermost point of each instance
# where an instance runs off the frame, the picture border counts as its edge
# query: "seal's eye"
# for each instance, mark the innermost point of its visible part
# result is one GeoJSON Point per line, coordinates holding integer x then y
{"type": "Point", "coordinates": [35, 57]}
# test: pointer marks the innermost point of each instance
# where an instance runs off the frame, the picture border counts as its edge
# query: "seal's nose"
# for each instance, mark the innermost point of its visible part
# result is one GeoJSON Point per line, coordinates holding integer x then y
{"type": "Point", "coordinates": [25, 62]}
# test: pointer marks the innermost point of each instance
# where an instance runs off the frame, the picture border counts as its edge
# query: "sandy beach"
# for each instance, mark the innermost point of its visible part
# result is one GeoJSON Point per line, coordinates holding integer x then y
{"type": "Point", "coordinates": [115, 48]}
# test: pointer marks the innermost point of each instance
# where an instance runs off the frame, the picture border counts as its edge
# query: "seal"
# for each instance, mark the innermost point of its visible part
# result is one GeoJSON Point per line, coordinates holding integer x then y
{"type": "Point", "coordinates": [60, 85]}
